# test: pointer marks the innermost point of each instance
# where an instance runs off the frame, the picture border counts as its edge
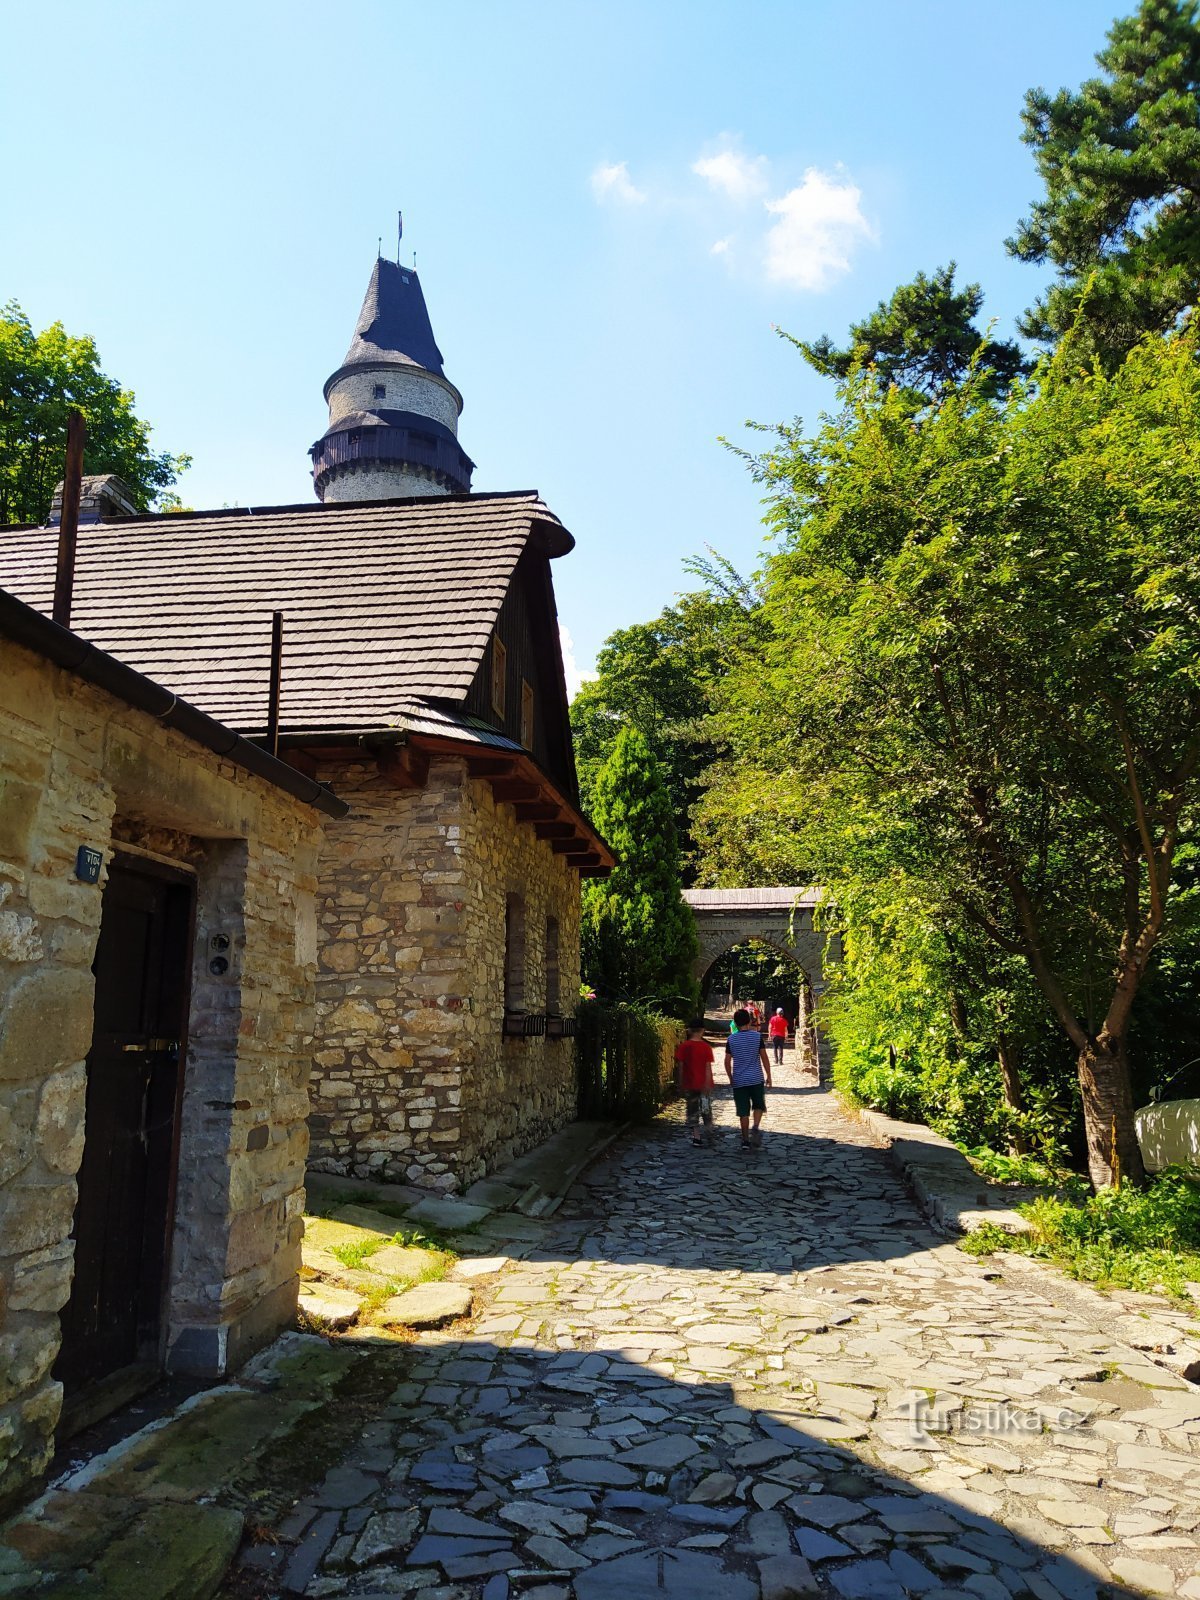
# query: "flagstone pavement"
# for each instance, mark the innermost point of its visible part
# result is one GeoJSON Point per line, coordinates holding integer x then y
{"type": "Point", "coordinates": [727, 1376]}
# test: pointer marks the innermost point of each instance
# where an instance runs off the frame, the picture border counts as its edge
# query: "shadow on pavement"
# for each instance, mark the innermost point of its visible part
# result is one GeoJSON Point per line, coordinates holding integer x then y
{"type": "Point", "coordinates": [498, 1472]}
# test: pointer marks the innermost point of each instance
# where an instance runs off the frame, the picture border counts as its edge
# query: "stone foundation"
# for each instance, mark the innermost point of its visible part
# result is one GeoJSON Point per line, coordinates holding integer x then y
{"type": "Point", "coordinates": [78, 767]}
{"type": "Point", "coordinates": [413, 1080]}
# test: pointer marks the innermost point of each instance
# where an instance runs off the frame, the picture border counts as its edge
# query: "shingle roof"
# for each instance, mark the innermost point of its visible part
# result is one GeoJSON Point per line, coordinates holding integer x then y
{"type": "Point", "coordinates": [385, 603]}
{"type": "Point", "coordinates": [394, 322]}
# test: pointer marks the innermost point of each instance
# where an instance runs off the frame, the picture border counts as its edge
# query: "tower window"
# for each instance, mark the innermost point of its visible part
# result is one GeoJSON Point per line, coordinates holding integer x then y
{"type": "Point", "coordinates": [499, 676]}
{"type": "Point", "coordinates": [380, 391]}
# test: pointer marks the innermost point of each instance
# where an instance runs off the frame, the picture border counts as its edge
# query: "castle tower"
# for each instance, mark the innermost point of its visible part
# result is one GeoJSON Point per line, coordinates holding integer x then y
{"type": "Point", "coordinates": [393, 414]}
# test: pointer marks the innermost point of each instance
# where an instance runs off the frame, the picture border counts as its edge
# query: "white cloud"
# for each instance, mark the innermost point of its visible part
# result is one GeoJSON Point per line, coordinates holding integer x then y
{"type": "Point", "coordinates": [721, 246]}
{"type": "Point", "coordinates": [820, 224]}
{"type": "Point", "coordinates": [739, 176]}
{"type": "Point", "coordinates": [611, 181]}
{"type": "Point", "coordinates": [575, 676]}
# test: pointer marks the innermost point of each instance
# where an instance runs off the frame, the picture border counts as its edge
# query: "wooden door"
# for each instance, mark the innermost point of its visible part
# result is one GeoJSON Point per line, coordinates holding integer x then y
{"type": "Point", "coordinates": [127, 1177]}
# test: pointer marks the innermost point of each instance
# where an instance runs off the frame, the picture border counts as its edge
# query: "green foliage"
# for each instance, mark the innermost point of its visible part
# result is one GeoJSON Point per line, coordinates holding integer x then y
{"type": "Point", "coordinates": [1118, 159]}
{"type": "Point", "coordinates": [923, 340]}
{"type": "Point", "coordinates": [655, 677]}
{"type": "Point", "coordinates": [43, 377]}
{"type": "Point", "coordinates": [639, 939]}
{"type": "Point", "coordinates": [1030, 1172]}
{"type": "Point", "coordinates": [977, 663]}
{"type": "Point", "coordinates": [753, 971]}
{"type": "Point", "coordinates": [358, 1253]}
{"type": "Point", "coordinates": [1144, 1239]}
{"type": "Point", "coordinates": [624, 1061]}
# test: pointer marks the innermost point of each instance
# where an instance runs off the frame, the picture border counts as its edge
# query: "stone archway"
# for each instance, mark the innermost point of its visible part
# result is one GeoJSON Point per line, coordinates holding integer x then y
{"type": "Point", "coordinates": [781, 918]}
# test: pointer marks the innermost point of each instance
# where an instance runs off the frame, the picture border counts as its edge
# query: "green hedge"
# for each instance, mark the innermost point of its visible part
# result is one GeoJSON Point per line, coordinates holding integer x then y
{"type": "Point", "coordinates": [624, 1062]}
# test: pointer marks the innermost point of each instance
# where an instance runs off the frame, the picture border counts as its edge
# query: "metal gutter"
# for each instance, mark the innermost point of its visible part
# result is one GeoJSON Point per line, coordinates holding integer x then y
{"type": "Point", "coordinates": [65, 649]}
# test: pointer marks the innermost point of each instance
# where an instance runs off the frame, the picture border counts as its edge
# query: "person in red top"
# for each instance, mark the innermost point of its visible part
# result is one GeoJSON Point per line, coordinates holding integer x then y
{"type": "Point", "coordinates": [694, 1075]}
{"type": "Point", "coordinates": [777, 1030]}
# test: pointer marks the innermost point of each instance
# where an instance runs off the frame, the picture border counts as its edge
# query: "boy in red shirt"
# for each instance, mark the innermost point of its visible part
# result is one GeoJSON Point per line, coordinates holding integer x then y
{"type": "Point", "coordinates": [694, 1075]}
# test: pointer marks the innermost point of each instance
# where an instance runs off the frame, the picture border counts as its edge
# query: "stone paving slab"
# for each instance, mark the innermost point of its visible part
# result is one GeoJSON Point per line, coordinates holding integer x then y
{"type": "Point", "coordinates": [762, 1374]}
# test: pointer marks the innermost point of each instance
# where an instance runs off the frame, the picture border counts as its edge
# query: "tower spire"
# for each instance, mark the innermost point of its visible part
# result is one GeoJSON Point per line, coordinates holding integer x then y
{"type": "Point", "coordinates": [393, 413]}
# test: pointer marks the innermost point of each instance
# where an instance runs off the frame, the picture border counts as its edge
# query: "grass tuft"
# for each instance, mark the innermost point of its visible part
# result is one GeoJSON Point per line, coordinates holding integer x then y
{"type": "Point", "coordinates": [1142, 1239]}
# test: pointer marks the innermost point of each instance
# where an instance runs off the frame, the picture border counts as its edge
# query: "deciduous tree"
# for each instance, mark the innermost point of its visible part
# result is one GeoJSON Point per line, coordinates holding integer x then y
{"type": "Point", "coordinates": [982, 628]}
{"type": "Point", "coordinates": [43, 377]}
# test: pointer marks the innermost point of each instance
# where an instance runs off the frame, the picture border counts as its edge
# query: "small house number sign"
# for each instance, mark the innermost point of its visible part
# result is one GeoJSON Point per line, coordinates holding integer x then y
{"type": "Point", "coordinates": [88, 863]}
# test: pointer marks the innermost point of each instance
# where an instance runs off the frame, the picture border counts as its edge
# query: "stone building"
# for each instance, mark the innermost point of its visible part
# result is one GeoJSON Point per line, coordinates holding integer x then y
{"type": "Point", "coordinates": [158, 945]}
{"type": "Point", "coordinates": [422, 680]}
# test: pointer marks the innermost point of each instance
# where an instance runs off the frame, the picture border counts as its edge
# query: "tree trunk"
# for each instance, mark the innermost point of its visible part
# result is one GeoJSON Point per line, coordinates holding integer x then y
{"type": "Point", "coordinates": [1113, 1153]}
{"type": "Point", "coordinates": [1010, 1071]}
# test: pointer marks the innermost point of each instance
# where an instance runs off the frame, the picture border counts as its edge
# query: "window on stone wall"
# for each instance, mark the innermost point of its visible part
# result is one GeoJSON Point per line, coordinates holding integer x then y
{"type": "Point", "coordinates": [499, 676]}
{"type": "Point", "coordinates": [553, 986]}
{"type": "Point", "coordinates": [514, 953]}
{"type": "Point", "coordinates": [526, 714]}
{"type": "Point", "coordinates": [380, 391]}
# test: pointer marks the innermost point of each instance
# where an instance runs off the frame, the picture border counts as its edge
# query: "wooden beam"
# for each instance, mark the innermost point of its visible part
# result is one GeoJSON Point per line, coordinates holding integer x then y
{"type": "Point", "coordinates": [300, 760]}
{"type": "Point", "coordinates": [405, 767]}
{"type": "Point", "coordinates": [569, 847]}
{"type": "Point", "coordinates": [555, 830]}
{"type": "Point", "coordinates": [490, 766]}
{"type": "Point", "coordinates": [537, 810]}
{"type": "Point", "coordinates": [509, 789]}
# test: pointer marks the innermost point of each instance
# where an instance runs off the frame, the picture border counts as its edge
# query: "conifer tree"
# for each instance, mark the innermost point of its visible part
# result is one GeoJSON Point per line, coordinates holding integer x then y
{"type": "Point", "coordinates": [639, 939]}
{"type": "Point", "coordinates": [923, 340]}
{"type": "Point", "coordinates": [1119, 160]}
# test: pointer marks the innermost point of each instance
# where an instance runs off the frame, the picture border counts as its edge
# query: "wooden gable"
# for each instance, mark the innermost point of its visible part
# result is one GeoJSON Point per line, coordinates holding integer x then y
{"type": "Point", "coordinates": [531, 707]}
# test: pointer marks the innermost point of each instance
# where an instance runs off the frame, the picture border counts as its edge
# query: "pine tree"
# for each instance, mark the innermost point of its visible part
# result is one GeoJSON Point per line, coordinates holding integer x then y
{"type": "Point", "coordinates": [1119, 159]}
{"type": "Point", "coordinates": [923, 340]}
{"type": "Point", "coordinates": [639, 939]}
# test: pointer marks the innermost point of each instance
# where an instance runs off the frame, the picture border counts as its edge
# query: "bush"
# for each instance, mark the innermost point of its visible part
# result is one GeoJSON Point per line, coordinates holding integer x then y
{"type": "Point", "coordinates": [624, 1061]}
{"type": "Point", "coordinates": [1145, 1239]}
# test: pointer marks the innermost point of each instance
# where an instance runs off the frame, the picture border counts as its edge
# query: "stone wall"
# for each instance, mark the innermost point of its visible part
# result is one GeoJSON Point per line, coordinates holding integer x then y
{"type": "Point", "coordinates": [78, 767]}
{"type": "Point", "coordinates": [412, 1079]}
{"type": "Point", "coordinates": [406, 389]}
{"type": "Point", "coordinates": [375, 480]}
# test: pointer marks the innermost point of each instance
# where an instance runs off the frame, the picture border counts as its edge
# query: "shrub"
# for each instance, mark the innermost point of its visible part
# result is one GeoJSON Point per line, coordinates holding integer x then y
{"type": "Point", "coordinates": [1145, 1239]}
{"type": "Point", "coordinates": [624, 1061]}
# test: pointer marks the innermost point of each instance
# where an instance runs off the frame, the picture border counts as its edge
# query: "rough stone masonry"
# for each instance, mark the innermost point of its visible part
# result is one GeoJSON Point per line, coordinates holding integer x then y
{"type": "Point", "coordinates": [79, 767]}
{"type": "Point", "coordinates": [413, 1079]}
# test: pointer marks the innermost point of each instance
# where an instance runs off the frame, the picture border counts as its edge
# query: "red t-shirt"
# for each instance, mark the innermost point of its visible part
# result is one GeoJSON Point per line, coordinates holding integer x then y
{"type": "Point", "coordinates": [695, 1058]}
{"type": "Point", "coordinates": [777, 1027]}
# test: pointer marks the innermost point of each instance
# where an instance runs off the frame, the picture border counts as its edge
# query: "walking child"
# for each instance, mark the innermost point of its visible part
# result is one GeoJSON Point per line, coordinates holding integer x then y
{"type": "Point", "coordinates": [694, 1073]}
{"type": "Point", "coordinates": [749, 1071]}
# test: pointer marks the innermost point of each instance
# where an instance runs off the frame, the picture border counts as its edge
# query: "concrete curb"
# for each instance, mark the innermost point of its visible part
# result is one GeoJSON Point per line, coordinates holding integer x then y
{"type": "Point", "coordinates": [543, 1183]}
{"type": "Point", "coordinates": [948, 1189]}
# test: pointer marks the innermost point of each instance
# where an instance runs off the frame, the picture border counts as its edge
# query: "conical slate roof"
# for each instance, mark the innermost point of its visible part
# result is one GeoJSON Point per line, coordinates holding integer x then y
{"type": "Point", "coordinates": [393, 323]}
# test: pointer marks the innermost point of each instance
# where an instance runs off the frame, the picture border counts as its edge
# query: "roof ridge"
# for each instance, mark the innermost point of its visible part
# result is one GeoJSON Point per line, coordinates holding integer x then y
{"type": "Point", "coordinates": [314, 507]}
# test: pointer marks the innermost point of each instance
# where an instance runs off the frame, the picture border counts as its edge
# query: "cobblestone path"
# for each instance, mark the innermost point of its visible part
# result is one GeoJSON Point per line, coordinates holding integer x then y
{"type": "Point", "coordinates": [728, 1376]}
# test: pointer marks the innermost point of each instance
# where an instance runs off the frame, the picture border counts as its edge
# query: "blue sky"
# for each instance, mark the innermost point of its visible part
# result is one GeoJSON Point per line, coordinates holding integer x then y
{"type": "Point", "coordinates": [611, 205]}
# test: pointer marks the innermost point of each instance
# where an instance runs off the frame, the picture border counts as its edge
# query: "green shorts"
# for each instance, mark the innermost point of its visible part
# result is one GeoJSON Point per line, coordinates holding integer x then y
{"type": "Point", "coordinates": [750, 1097]}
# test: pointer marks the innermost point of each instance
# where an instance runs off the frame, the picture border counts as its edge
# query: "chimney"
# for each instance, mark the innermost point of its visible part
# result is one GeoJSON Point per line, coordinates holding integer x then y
{"type": "Point", "coordinates": [106, 498]}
